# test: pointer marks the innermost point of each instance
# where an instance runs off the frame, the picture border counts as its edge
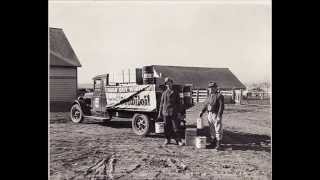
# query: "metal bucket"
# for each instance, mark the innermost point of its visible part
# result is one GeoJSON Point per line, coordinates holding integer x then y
{"type": "Point", "coordinates": [201, 142]}
{"type": "Point", "coordinates": [200, 124]}
{"type": "Point", "coordinates": [159, 127]}
{"type": "Point", "coordinates": [147, 74]}
{"type": "Point", "coordinates": [190, 135]}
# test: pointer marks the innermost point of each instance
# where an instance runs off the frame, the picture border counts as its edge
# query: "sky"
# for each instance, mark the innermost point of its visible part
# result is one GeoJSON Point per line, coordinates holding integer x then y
{"type": "Point", "coordinates": [110, 36]}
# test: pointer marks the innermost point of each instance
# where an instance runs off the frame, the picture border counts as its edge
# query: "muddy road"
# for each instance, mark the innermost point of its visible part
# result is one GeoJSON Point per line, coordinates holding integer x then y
{"type": "Point", "coordinates": [246, 150]}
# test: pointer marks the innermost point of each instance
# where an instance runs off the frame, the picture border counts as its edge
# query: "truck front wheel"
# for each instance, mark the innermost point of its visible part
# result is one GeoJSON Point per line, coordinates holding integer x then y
{"type": "Point", "coordinates": [140, 124]}
{"type": "Point", "coordinates": [76, 114]}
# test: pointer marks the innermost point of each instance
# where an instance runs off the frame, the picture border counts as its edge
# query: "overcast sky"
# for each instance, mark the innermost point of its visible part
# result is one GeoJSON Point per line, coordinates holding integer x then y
{"type": "Point", "coordinates": [111, 36]}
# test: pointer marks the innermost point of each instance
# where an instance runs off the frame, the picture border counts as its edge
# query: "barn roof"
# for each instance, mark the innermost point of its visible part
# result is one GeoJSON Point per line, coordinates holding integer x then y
{"type": "Point", "coordinates": [199, 76]}
{"type": "Point", "coordinates": [61, 52]}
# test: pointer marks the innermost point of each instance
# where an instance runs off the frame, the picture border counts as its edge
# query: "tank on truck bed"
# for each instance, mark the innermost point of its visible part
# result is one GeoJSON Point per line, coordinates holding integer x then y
{"type": "Point", "coordinates": [140, 102]}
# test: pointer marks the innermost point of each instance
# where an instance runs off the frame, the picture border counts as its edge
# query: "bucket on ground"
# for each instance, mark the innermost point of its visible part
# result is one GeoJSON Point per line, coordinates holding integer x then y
{"type": "Point", "coordinates": [200, 124]}
{"type": "Point", "coordinates": [159, 127]}
{"type": "Point", "coordinates": [190, 135]}
{"type": "Point", "coordinates": [201, 142]}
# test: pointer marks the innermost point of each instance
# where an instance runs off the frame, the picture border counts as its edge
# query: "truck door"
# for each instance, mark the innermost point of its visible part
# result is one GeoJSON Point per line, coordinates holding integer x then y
{"type": "Point", "coordinates": [99, 99]}
{"type": "Point", "coordinates": [103, 98]}
{"type": "Point", "coordinates": [96, 107]}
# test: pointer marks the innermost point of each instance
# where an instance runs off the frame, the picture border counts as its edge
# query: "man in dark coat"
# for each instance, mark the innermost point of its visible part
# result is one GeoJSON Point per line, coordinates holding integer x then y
{"type": "Point", "coordinates": [214, 105]}
{"type": "Point", "coordinates": [170, 111]}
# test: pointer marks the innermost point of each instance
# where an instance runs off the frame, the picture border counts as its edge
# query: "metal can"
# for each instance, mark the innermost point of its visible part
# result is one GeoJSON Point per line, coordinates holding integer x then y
{"type": "Point", "coordinates": [201, 142]}
{"type": "Point", "coordinates": [159, 127]}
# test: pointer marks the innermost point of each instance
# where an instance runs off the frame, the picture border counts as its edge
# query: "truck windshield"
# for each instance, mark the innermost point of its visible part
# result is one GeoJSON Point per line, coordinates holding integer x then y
{"type": "Point", "coordinates": [97, 84]}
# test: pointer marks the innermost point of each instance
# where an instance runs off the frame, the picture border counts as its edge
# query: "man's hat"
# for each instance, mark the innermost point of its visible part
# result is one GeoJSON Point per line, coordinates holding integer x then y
{"type": "Point", "coordinates": [167, 79]}
{"type": "Point", "coordinates": [212, 84]}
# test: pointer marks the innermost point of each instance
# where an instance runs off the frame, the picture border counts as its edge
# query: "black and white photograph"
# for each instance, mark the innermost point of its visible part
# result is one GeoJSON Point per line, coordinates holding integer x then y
{"type": "Point", "coordinates": [159, 89]}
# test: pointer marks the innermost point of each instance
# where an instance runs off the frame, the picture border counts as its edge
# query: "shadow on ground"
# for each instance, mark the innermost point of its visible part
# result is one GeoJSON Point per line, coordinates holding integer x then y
{"type": "Point", "coordinates": [232, 140]}
{"type": "Point", "coordinates": [246, 141]}
{"type": "Point", "coordinates": [240, 141]}
{"type": "Point", "coordinates": [112, 124]}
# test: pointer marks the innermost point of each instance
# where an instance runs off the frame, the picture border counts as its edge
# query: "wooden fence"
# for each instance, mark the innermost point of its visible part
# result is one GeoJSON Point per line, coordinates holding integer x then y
{"type": "Point", "coordinates": [258, 95]}
{"type": "Point", "coordinates": [226, 93]}
{"type": "Point", "coordinates": [231, 97]}
{"type": "Point", "coordinates": [200, 95]}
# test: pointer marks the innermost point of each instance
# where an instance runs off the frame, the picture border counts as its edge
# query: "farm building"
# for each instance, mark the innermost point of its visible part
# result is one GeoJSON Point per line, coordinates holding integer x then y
{"type": "Point", "coordinates": [63, 71]}
{"type": "Point", "coordinates": [198, 78]}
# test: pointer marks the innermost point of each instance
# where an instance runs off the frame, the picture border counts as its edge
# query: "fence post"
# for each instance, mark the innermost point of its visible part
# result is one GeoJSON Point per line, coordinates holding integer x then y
{"type": "Point", "coordinates": [240, 99]}
{"type": "Point", "coordinates": [197, 95]}
{"type": "Point", "coordinates": [233, 96]}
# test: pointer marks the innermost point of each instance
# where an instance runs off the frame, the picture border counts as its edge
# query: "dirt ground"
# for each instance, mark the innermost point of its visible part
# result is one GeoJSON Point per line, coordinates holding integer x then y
{"type": "Point", "coordinates": [246, 150]}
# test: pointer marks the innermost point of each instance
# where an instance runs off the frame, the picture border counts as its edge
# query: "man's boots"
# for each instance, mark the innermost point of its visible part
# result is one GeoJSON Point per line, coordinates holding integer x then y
{"type": "Point", "coordinates": [179, 142]}
{"type": "Point", "coordinates": [218, 146]}
{"type": "Point", "coordinates": [213, 142]}
{"type": "Point", "coordinates": [166, 142]}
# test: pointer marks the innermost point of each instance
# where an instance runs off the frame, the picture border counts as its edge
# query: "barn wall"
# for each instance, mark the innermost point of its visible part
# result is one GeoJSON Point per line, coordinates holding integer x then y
{"type": "Point", "coordinates": [63, 71]}
{"type": "Point", "coordinates": [63, 87]}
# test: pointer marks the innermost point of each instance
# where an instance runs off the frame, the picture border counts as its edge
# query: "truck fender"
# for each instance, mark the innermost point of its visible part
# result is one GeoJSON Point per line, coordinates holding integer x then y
{"type": "Point", "coordinates": [79, 102]}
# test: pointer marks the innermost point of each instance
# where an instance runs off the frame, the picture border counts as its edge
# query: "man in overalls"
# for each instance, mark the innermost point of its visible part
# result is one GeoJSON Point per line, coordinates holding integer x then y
{"type": "Point", "coordinates": [170, 110]}
{"type": "Point", "coordinates": [214, 105]}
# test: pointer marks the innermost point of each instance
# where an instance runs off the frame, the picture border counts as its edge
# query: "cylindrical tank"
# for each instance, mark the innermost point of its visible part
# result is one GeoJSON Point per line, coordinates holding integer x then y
{"type": "Point", "coordinates": [147, 74]}
{"type": "Point", "coordinates": [190, 135]}
{"type": "Point", "coordinates": [180, 90]}
{"type": "Point", "coordinates": [187, 96]}
{"type": "Point", "coordinates": [201, 142]}
{"type": "Point", "coordinates": [159, 127]}
{"type": "Point", "coordinates": [200, 123]}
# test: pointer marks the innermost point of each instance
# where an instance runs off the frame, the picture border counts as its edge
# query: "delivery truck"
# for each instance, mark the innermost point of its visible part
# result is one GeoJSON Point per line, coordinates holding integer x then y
{"type": "Point", "coordinates": [138, 101]}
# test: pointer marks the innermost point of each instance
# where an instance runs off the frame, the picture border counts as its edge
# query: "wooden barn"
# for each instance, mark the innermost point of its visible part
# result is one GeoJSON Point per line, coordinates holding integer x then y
{"type": "Point", "coordinates": [198, 78]}
{"type": "Point", "coordinates": [63, 71]}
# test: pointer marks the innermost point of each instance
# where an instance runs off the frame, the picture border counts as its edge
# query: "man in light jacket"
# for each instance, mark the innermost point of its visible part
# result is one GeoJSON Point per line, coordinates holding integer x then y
{"type": "Point", "coordinates": [214, 106]}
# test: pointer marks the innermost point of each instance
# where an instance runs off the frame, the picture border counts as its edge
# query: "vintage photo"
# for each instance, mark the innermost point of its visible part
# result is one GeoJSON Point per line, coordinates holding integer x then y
{"type": "Point", "coordinates": [160, 89]}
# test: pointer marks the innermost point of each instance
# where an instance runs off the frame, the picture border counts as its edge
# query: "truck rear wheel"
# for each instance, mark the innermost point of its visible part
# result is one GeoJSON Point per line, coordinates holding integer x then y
{"type": "Point", "coordinates": [76, 114]}
{"type": "Point", "coordinates": [140, 124]}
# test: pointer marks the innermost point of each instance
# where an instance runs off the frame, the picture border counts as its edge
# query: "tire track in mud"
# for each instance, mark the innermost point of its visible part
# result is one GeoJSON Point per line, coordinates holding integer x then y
{"type": "Point", "coordinates": [129, 172]}
{"type": "Point", "coordinates": [71, 141]}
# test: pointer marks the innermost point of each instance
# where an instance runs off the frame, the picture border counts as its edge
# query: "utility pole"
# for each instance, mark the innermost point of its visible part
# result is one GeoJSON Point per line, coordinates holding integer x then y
{"type": "Point", "coordinates": [122, 76]}
{"type": "Point", "coordinates": [129, 74]}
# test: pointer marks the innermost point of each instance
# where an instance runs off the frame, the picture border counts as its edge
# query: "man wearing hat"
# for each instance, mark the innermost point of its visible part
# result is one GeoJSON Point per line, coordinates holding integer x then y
{"type": "Point", "coordinates": [170, 111]}
{"type": "Point", "coordinates": [214, 106]}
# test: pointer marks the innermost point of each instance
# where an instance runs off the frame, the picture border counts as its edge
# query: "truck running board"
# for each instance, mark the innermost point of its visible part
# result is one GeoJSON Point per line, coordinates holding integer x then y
{"type": "Point", "coordinates": [97, 117]}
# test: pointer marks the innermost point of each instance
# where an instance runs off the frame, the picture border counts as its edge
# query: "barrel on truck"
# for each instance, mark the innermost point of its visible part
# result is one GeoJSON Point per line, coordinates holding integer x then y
{"type": "Point", "coordinates": [147, 73]}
